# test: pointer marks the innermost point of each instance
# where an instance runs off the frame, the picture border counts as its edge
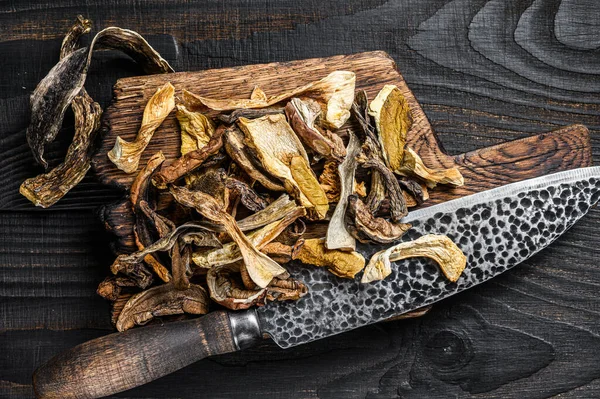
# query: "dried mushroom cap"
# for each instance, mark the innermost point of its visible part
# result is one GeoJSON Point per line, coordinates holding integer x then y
{"type": "Point", "coordinates": [261, 268]}
{"type": "Point", "coordinates": [366, 228]}
{"type": "Point", "coordinates": [412, 165]}
{"type": "Point", "coordinates": [302, 116]}
{"type": "Point", "coordinates": [335, 94]}
{"type": "Point", "coordinates": [163, 300]}
{"type": "Point", "coordinates": [282, 155]}
{"type": "Point", "coordinates": [439, 248]}
{"type": "Point", "coordinates": [227, 289]}
{"type": "Point", "coordinates": [338, 236]}
{"type": "Point", "coordinates": [126, 155]}
{"type": "Point", "coordinates": [393, 121]}
{"type": "Point", "coordinates": [196, 129]}
{"type": "Point", "coordinates": [341, 263]}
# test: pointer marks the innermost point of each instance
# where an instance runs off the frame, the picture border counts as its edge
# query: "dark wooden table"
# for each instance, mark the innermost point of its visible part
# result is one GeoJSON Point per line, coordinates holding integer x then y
{"type": "Point", "coordinates": [484, 71]}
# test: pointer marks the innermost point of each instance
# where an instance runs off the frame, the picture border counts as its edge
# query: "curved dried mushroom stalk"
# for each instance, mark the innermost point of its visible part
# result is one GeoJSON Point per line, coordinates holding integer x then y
{"type": "Point", "coordinates": [416, 191]}
{"type": "Point", "coordinates": [71, 41]}
{"type": "Point", "coordinates": [366, 228]}
{"type": "Point", "coordinates": [180, 265]}
{"type": "Point", "coordinates": [261, 268]}
{"type": "Point", "coordinates": [412, 165]}
{"type": "Point", "coordinates": [337, 235]}
{"type": "Point", "coordinates": [439, 248]}
{"type": "Point", "coordinates": [302, 116]}
{"type": "Point", "coordinates": [282, 155]}
{"type": "Point", "coordinates": [189, 161]}
{"type": "Point", "coordinates": [335, 94]}
{"type": "Point", "coordinates": [341, 263]}
{"type": "Point", "coordinates": [231, 252]}
{"type": "Point", "coordinates": [393, 120]}
{"type": "Point", "coordinates": [227, 289]}
{"type": "Point", "coordinates": [239, 152]}
{"type": "Point", "coordinates": [163, 300]}
{"type": "Point", "coordinates": [65, 80]}
{"type": "Point", "coordinates": [126, 155]}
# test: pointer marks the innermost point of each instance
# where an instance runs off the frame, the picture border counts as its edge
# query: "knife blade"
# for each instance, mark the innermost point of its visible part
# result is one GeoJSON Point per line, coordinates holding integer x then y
{"type": "Point", "coordinates": [496, 229]}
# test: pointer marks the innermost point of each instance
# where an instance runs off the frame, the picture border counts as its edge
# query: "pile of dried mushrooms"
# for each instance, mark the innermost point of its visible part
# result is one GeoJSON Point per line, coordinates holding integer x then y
{"type": "Point", "coordinates": [302, 175]}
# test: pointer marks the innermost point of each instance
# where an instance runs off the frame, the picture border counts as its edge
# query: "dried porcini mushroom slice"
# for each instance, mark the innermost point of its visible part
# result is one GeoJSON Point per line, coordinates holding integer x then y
{"type": "Point", "coordinates": [418, 192]}
{"type": "Point", "coordinates": [288, 289]}
{"type": "Point", "coordinates": [196, 129]}
{"type": "Point", "coordinates": [282, 155]}
{"type": "Point", "coordinates": [189, 161]}
{"type": "Point", "coordinates": [231, 252]}
{"type": "Point", "coordinates": [341, 263]}
{"type": "Point", "coordinates": [65, 80]}
{"type": "Point", "coordinates": [302, 116]}
{"type": "Point", "coordinates": [261, 268]}
{"type": "Point", "coordinates": [211, 182]}
{"type": "Point", "coordinates": [366, 228]}
{"type": "Point", "coordinates": [180, 265]}
{"type": "Point", "coordinates": [329, 179]}
{"type": "Point", "coordinates": [110, 288]}
{"type": "Point", "coordinates": [393, 120]}
{"type": "Point", "coordinates": [163, 300]}
{"type": "Point", "coordinates": [126, 155]}
{"type": "Point", "coordinates": [248, 113]}
{"type": "Point", "coordinates": [238, 151]}
{"type": "Point", "coordinates": [227, 288]}
{"type": "Point", "coordinates": [337, 235]}
{"type": "Point", "coordinates": [439, 248]}
{"type": "Point", "coordinates": [412, 165]}
{"type": "Point", "coordinates": [248, 197]}
{"type": "Point", "coordinates": [46, 189]}
{"type": "Point", "coordinates": [334, 93]}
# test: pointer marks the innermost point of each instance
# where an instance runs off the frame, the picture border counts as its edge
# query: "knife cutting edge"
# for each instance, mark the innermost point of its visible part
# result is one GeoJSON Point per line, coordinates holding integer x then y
{"type": "Point", "coordinates": [496, 230]}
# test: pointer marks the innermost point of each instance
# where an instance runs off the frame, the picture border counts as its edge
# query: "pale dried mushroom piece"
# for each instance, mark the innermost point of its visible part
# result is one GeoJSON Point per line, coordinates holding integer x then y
{"type": "Point", "coordinates": [393, 120]}
{"type": "Point", "coordinates": [126, 155]}
{"type": "Point", "coordinates": [231, 252]}
{"type": "Point", "coordinates": [366, 228]}
{"type": "Point", "coordinates": [189, 161]}
{"type": "Point", "coordinates": [441, 249]}
{"type": "Point", "coordinates": [412, 165]}
{"type": "Point", "coordinates": [239, 152]}
{"type": "Point", "coordinates": [261, 268]}
{"type": "Point", "coordinates": [64, 82]}
{"type": "Point", "coordinates": [338, 236]}
{"type": "Point", "coordinates": [227, 288]}
{"type": "Point", "coordinates": [341, 263]}
{"type": "Point", "coordinates": [302, 116]}
{"type": "Point", "coordinates": [334, 93]}
{"type": "Point", "coordinates": [282, 155]}
{"type": "Point", "coordinates": [163, 300]}
{"type": "Point", "coordinates": [196, 129]}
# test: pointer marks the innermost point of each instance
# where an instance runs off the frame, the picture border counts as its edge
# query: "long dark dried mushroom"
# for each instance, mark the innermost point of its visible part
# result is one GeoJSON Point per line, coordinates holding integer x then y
{"type": "Point", "coordinates": [163, 300]}
{"type": "Point", "coordinates": [366, 228]}
{"type": "Point", "coordinates": [65, 80]}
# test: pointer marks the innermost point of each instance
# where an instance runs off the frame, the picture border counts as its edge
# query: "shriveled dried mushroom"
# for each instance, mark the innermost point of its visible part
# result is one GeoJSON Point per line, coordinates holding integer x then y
{"type": "Point", "coordinates": [227, 289]}
{"type": "Point", "coordinates": [126, 155]}
{"type": "Point", "coordinates": [196, 129]}
{"type": "Point", "coordinates": [366, 228]}
{"type": "Point", "coordinates": [341, 263]}
{"type": "Point", "coordinates": [412, 165]}
{"type": "Point", "coordinates": [440, 248]}
{"type": "Point", "coordinates": [163, 300]}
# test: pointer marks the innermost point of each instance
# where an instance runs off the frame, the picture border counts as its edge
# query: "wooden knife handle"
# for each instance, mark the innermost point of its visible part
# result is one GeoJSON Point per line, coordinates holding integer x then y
{"type": "Point", "coordinates": [121, 361]}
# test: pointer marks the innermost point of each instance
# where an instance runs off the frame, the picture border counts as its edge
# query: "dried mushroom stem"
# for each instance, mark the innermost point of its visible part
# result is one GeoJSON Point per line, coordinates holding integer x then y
{"type": "Point", "coordinates": [341, 263]}
{"type": "Point", "coordinates": [189, 161]}
{"type": "Point", "coordinates": [163, 300]}
{"type": "Point", "coordinates": [338, 236]}
{"type": "Point", "coordinates": [261, 268]}
{"type": "Point", "coordinates": [439, 248]}
{"type": "Point", "coordinates": [126, 155]}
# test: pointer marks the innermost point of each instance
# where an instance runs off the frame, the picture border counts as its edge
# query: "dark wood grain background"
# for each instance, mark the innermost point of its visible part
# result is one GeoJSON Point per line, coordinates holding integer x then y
{"type": "Point", "coordinates": [485, 71]}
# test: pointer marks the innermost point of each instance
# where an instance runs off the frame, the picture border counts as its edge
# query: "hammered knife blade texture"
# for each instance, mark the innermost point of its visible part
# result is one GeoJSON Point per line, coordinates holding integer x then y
{"type": "Point", "coordinates": [496, 229]}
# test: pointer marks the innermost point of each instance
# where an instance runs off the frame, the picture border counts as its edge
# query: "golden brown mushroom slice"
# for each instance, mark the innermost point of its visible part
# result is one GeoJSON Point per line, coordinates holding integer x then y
{"type": "Point", "coordinates": [412, 165]}
{"type": "Point", "coordinates": [282, 155]}
{"type": "Point", "coordinates": [163, 300]}
{"type": "Point", "coordinates": [341, 263]}
{"type": "Point", "coordinates": [227, 288]}
{"type": "Point", "coordinates": [440, 248]}
{"type": "Point", "coordinates": [334, 93]}
{"type": "Point", "coordinates": [368, 229]}
{"type": "Point", "coordinates": [196, 129]}
{"type": "Point", "coordinates": [126, 155]}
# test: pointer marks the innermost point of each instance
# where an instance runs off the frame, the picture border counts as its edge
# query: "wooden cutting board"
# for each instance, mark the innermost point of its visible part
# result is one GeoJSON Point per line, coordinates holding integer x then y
{"type": "Point", "coordinates": [483, 169]}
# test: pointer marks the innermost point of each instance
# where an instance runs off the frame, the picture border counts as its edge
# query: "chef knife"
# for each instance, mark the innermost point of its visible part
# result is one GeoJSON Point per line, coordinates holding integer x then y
{"type": "Point", "coordinates": [496, 229]}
